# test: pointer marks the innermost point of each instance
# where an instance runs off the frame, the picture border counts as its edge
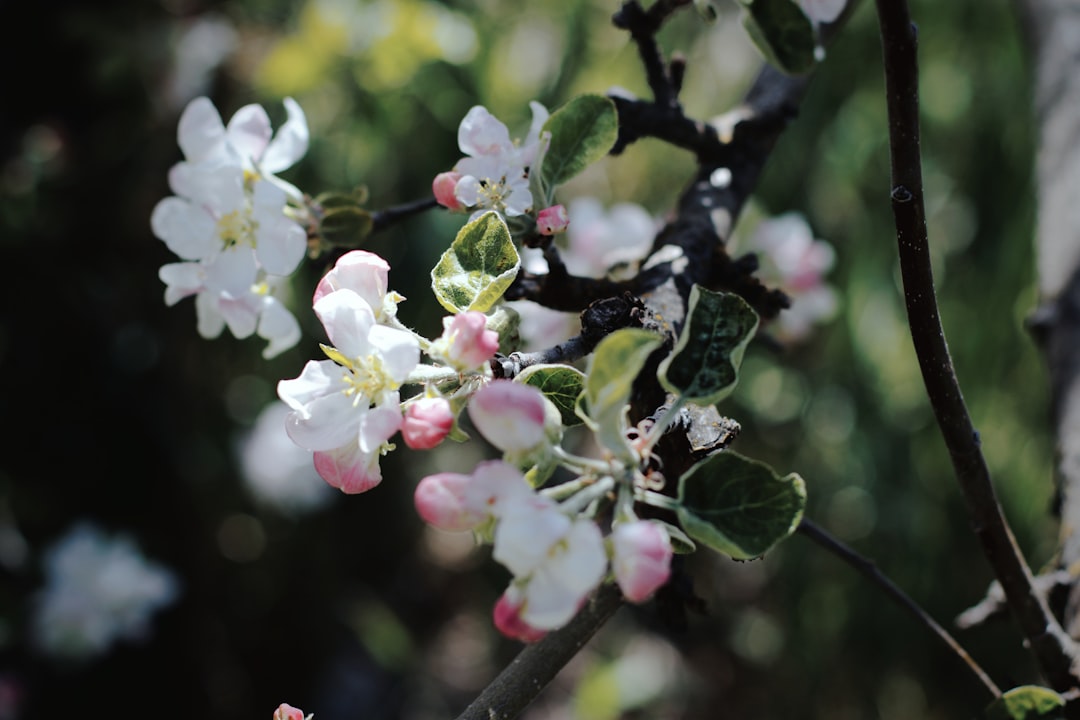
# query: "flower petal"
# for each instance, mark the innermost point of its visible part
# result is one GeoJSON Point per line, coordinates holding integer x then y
{"type": "Point", "coordinates": [348, 320]}
{"type": "Point", "coordinates": [187, 230]}
{"type": "Point", "coordinates": [249, 132]}
{"type": "Point", "coordinates": [349, 469]}
{"type": "Point", "coordinates": [200, 132]}
{"type": "Point", "coordinates": [289, 143]}
{"type": "Point", "coordinates": [279, 326]}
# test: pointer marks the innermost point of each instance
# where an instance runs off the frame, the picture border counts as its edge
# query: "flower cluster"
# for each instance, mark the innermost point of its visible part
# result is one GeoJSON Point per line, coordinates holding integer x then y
{"type": "Point", "coordinates": [556, 556]}
{"type": "Point", "coordinates": [97, 590]}
{"type": "Point", "coordinates": [228, 223]}
{"type": "Point", "coordinates": [346, 408]}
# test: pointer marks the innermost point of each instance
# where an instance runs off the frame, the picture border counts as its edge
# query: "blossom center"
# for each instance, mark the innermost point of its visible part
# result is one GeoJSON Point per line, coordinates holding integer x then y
{"type": "Point", "coordinates": [236, 228]}
{"type": "Point", "coordinates": [367, 379]}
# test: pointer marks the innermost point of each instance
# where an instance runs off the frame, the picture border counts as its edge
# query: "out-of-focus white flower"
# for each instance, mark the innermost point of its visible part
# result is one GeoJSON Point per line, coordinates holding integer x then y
{"type": "Point", "coordinates": [822, 11]}
{"type": "Point", "coordinates": [227, 220]}
{"type": "Point", "coordinates": [556, 560]}
{"type": "Point", "coordinates": [456, 502]}
{"type": "Point", "coordinates": [600, 240]}
{"type": "Point", "coordinates": [203, 45]}
{"type": "Point", "coordinates": [278, 471]}
{"type": "Point", "coordinates": [641, 558]}
{"type": "Point", "coordinates": [98, 590]}
{"type": "Point", "coordinates": [792, 259]}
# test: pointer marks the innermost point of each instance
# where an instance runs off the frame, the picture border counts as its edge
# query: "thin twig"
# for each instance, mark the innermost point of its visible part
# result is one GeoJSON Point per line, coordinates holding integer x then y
{"type": "Point", "coordinates": [1053, 649]}
{"type": "Point", "coordinates": [538, 664]}
{"type": "Point", "coordinates": [385, 218]}
{"type": "Point", "coordinates": [867, 568]}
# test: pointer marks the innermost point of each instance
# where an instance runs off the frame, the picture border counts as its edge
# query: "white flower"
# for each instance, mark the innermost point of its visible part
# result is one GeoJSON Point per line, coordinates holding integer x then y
{"type": "Point", "coordinates": [227, 220]}
{"type": "Point", "coordinates": [556, 560]}
{"type": "Point", "coordinates": [253, 310]}
{"type": "Point", "coordinates": [98, 590]}
{"type": "Point", "coordinates": [349, 406]}
{"type": "Point", "coordinates": [495, 173]}
{"type": "Point", "coordinates": [791, 258]}
{"type": "Point", "coordinates": [275, 469]}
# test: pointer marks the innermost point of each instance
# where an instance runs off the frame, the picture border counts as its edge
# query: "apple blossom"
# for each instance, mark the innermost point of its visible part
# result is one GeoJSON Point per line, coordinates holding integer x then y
{"type": "Point", "coordinates": [247, 140]}
{"type": "Point", "coordinates": [452, 501]}
{"type": "Point", "coordinates": [494, 175]}
{"type": "Point", "coordinates": [366, 274]}
{"type": "Point", "coordinates": [508, 620]}
{"type": "Point", "coordinates": [641, 558]}
{"type": "Point", "coordinates": [552, 220]}
{"type": "Point", "coordinates": [97, 590]}
{"type": "Point", "coordinates": [254, 310]}
{"type": "Point", "coordinates": [276, 470]}
{"type": "Point", "coordinates": [794, 260]}
{"type": "Point", "coordinates": [556, 560]}
{"type": "Point", "coordinates": [427, 422]}
{"type": "Point", "coordinates": [466, 343]}
{"type": "Point", "coordinates": [509, 415]}
{"type": "Point", "coordinates": [346, 408]}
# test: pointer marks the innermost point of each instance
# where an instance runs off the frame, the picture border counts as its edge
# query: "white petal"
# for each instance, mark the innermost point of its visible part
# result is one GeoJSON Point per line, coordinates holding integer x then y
{"type": "Point", "coordinates": [280, 242]}
{"type": "Point", "coordinates": [200, 132]}
{"type": "Point", "coordinates": [378, 425]}
{"type": "Point", "coordinates": [330, 422]}
{"type": "Point", "coordinates": [290, 143]}
{"type": "Point", "coordinates": [188, 230]}
{"type": "Point", "coordinates": [316, 379]}
{"type": "Point", "coordinates": [480, 133]}
{"type": "Point", "coordinates": [467, 191]}
{"type": "Point", "coordinates": [241, 314]}
{"type": "Point", "coordinates": [399, 349]}
{"type": "Point", "coordinates": [348, 320]}
{"type": "Point", "coordinates": [525, 534]}
{"type": "Point", "coordinates": [209, 321]}
{"type": "Point", "coordinates": [232, 271]}
{"type": "Point", "coordinates": [277, 325]}
{"type": "Point", "coordinates": [249, 132]}
{"type": "Point", "coordinates": [181, 280]}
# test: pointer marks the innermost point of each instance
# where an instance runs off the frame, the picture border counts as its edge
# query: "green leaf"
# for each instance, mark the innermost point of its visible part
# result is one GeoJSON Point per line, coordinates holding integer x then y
{"type": "Point", "coordinates": [476, 269]}
{"type": "Point", "coordinates": [782, 32]}
{"type": "Point", "coordinates": [1027, 702]}
{"type": "Point", "coordinates": [582, 131]}
{"type": "Point", "coordinates": [561, 384]}
{"type": "Point", "coordinates": [615, 363]}
{"type": "Point", "coordinates": [345, 226]}
{"type": "Point", "coordinates": [739, 506]}
{"type": "Point", "coordinates": [704, 366]}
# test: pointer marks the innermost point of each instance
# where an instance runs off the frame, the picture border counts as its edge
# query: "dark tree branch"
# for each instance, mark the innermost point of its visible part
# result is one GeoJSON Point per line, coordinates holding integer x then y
{"type": "Point", "coordinates": [1053, 649]}
{"type": "Point", "coordinates": [382, 219]}
{"type": "Point", "coordinates": [868, 569]}
{"type": "Point", "coordinates": [538, 664]}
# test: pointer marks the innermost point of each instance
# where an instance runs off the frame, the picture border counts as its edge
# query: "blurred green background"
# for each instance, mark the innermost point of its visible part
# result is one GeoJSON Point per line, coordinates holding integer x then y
{"type": "Point", "coordinates": [117, 412]}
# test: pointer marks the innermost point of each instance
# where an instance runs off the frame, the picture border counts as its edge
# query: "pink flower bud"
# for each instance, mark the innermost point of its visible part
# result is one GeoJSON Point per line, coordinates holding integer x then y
{"type": "Point", "coordinates": [552, 220]}
{"type": "Point", "coordinates": [427, 422]}
{"type": "Point", "coordinates": [286, 711]}
{"type": "Point", "coordinates": [441, 501]}
{"type": "Point", "coordinates": [363, 272]}
{"type": "Point", "coordinates": [642, 558]}
{"type": "Point", "coordinates": [509, 415]}
{"type": "Point", "coordinates": [466, 341]}
{"type": "Point", "coordinates": [508, 618]}
{"type": "Point", "coordinates": [443, 186]}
